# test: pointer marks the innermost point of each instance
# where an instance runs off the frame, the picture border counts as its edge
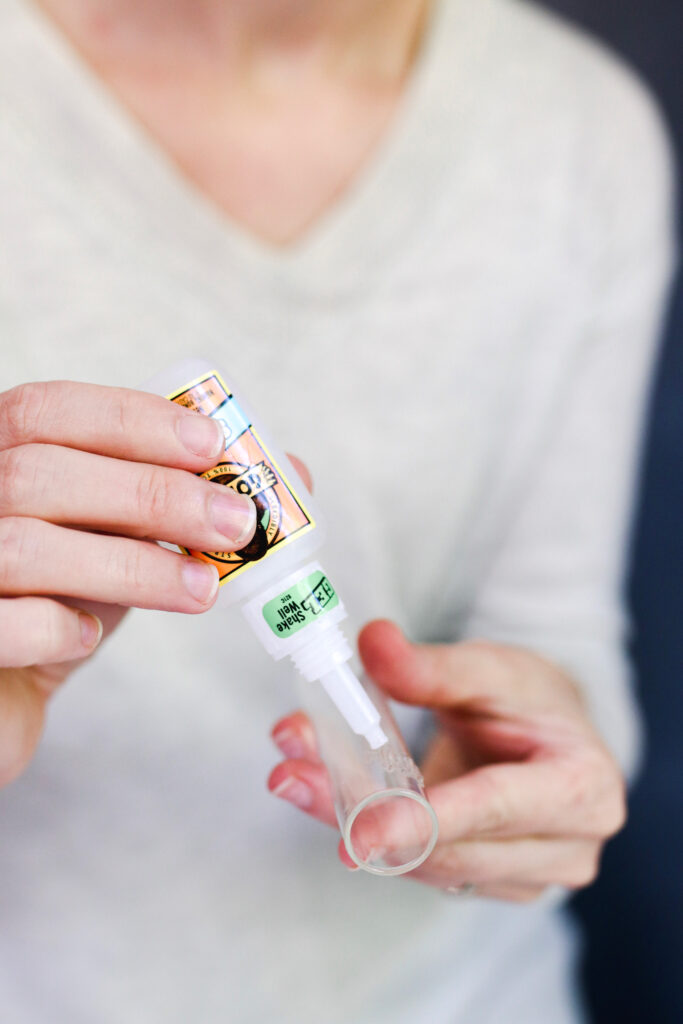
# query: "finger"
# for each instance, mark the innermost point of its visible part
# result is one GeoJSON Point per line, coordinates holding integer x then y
{"type": "Point", "coordinates": [70, 487]}
{"type": "Point", "coordinates": [44, 559]}
{"type": "Point", "coordinates": [345, 857]}
{"type": "Point", "coordinates": [109, 421]}
{"type": "Point", "coordinates": [535, 798]}
{"type": "Point", "coordinates": [528, 862]}
{"type": "Point", "coordinates": [303, 470]}
{"type": "Point", "coordinates": [507, 892]}
{"type": "Point", "coordinates": [295, 738]}
{"type": "Point", "coordinates": [39, 631]}
{"type": "Point", "coordinates": [486, 678]}
{"type": "Point", "coordinates": [306, 785]}
{"type": "Point", "coordinates": [498, 801]}
{"type": "Point", "coordinates": [22, 713]}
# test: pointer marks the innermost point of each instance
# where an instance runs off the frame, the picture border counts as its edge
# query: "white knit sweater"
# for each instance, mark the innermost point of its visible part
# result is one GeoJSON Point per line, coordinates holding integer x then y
{"type": "Point", "coordinates": [460, 350]}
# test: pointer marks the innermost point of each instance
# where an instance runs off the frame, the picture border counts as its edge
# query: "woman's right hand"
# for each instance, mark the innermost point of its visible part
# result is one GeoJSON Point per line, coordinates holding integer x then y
{"type": "Point", "coordinates": [88, 475]}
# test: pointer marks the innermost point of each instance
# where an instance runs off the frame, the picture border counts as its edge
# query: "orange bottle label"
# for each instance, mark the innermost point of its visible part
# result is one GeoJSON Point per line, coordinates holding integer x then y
{"type": "Point", "coordinates": [248, 468]}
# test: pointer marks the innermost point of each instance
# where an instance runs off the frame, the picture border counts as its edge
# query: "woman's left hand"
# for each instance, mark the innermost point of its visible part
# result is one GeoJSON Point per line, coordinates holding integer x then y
{"type": "Point", "coordinates": [525, 790]}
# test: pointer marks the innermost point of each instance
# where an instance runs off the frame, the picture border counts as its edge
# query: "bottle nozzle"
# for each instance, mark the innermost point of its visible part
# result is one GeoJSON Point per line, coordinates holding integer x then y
{"type": "Point", "coordinates": [376, 737]}
{"type": "Point", "coordinates": [354, 704]}
{"type": "Point", "coordinates": [300, 617]}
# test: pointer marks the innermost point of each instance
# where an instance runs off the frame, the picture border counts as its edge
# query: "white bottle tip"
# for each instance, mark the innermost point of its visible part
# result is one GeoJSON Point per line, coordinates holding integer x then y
{"type": "Point", "coordinates": [376, 737]}
{"type": "Point", "coordinates": [346, 691]}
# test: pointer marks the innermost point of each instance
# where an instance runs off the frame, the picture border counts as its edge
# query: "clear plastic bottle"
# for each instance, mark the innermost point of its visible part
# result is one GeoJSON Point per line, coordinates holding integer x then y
{"type": "Point", "coordinates": [295, 611]}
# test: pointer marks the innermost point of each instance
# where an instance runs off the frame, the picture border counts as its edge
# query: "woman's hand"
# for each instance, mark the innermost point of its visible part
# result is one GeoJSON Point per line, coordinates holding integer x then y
{"type": "Point", "coordinates": [87, 475]}
{"type": "Point", "coordinates": [525, 791]}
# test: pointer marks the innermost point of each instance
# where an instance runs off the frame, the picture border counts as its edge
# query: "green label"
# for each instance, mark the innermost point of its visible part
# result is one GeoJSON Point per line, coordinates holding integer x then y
{"type": "Point", "coordinates": [289, 612]}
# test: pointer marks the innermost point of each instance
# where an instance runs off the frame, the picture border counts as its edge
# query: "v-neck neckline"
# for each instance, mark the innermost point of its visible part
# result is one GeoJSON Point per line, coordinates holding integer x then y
{"type": "Point", "coordinates": [375, 212]}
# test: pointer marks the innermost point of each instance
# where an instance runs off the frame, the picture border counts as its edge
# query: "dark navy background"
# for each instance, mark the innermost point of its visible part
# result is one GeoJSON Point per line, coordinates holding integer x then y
{"type": "Point", "coordinates": [633, 915]}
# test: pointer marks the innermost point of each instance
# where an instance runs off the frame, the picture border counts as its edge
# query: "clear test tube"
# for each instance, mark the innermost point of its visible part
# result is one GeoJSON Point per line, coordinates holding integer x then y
{"type": "Point", "coordinates": [387, 823]}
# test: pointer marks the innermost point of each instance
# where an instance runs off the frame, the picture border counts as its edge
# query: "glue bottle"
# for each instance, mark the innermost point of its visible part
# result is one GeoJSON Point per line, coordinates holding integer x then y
{"type": "Point", "coordinates": [287, 598]}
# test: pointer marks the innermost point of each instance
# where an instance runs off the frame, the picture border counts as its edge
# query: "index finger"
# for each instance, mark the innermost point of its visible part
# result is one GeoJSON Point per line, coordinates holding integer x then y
{"type": "Point", "coordinates": [117, 422]}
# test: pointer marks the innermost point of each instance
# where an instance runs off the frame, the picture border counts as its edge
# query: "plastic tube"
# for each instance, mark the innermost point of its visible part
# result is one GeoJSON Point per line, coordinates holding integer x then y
{"type": "Point", "coordinates": [388, 825]}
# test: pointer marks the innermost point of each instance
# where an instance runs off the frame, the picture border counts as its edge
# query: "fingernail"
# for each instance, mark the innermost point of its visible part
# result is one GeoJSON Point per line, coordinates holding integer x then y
{"type": "Point", "coordinates": [200, 579]}
{"type": "Point", "coordinates": [201, 435]}
{"type": "Point", "coordinates": [91, 629]}
{"type": "Point", "coordinates": [290, 743]}
{"type": "Point", "coordinates": [233, 515]}
{"type": "Point", "coordinates": [296, 792]}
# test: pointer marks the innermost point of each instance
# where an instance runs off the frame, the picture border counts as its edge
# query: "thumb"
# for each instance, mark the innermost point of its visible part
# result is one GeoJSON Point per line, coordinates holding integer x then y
{"type": "Point", "coordinates": [442, 676]}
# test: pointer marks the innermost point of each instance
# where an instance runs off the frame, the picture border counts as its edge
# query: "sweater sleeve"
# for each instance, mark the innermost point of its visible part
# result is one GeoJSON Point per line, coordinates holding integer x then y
{"type": "Point", "coordinates": [555, 583]}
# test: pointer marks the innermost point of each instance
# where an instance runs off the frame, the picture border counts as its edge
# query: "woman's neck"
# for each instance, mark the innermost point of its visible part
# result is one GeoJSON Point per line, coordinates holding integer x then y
{"type": "Point", "coordinates": [269, 107]}
{"type": "Point", "coordinates": [365, 41]}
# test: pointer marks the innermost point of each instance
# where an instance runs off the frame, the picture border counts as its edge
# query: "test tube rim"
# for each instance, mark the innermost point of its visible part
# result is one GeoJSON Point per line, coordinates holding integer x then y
{"type": "Point", "coordinates": [401, 869]}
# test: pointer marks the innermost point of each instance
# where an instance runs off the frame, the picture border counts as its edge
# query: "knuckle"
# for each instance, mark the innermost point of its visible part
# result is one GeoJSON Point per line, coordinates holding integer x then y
{"type": "Point", "coordinates": [14, 542]}
{"type": "Point", "coordinates": [22, 410]}
{"type": "Point", "coordinates": [122, 415]}
{"type": "Point", "coordinates": [18, 476]}
{"type": "Point", "coordinates": [496, 811]}
{"type": "Point", "coordinates": [497, 817]}
{"type": "Point", "coordinates": [132, 569]}
{"type": "Point", "coordinates": [153, 496]}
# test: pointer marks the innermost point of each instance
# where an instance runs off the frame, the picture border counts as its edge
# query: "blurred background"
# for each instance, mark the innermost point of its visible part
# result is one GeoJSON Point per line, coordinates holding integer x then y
{"type": "Point", "coordinates": [633, 916]}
